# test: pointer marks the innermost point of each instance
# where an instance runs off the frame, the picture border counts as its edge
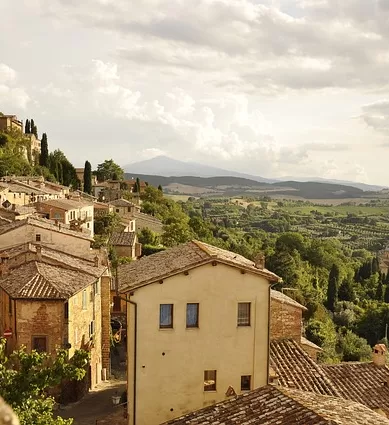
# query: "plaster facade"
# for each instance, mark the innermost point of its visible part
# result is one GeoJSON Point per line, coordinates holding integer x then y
{"type": "Point", "coordinates": [166, 366]}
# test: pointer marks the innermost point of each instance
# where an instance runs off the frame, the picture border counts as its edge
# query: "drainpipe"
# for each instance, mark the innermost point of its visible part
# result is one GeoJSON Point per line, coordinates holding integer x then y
{"type": "Point", "coordinates": [135, 355]}
{"type": "Point", "coordinates": [268, 331]}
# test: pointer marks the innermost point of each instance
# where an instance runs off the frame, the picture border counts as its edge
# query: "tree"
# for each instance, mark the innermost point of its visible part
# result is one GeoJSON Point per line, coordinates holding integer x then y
{"type": "Point", "coordinates": [332, 290]}
{"type": "Point", "coordinates": [34, 129]}
{"type": "Point", "coordinates": [137, 185]}
{"type": "Point", "coordinates": [386, 294]}
{"type": "Point", "coordinates": [380, 291]}
{"type": "Point", "coordinates": [109, 170]}
{"type": "Point", "coordinates": [160, 188]}
{"type": "Point", "coordinates": [353, 347]}
{"type": "Point", "coordinates": [27, 127]}
{"type": "Point", "coordinates": [87, 177]}
{"type": "Point", "coordinates": [44, 156]}
{"type": "Point", "coordinates": [346, 290]}
{"type": "Point", "coordinates": [375, 266]}
{"type": "Point", "coordinates": [26, 377]}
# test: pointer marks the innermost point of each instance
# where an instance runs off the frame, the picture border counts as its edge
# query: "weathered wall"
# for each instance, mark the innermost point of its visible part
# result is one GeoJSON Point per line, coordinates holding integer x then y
{"type": "Point", "coordinates": [57, 240]}
{"type": "Point", "coordinates": [40, 318]}
{"type": "Point", "coordinates": [286, 321]}
{"type": "Point", "coordinates": [170, 369]}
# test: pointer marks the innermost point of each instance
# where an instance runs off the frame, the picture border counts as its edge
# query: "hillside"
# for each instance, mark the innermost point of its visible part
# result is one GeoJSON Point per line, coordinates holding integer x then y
{"type": "Point", "coordinates": [165, 166]}
{"type": "Point", "coordinates": [234, 186]}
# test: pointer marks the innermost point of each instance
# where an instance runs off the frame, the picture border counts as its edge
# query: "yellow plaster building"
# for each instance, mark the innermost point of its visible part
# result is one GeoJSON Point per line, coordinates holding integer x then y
{"type": "Point", "coordinates": [197, 329]}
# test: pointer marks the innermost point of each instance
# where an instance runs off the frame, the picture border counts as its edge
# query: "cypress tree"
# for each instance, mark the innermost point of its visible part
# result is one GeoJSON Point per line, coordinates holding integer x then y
{"type": "Point", "coordinates": [44, 156]}
{"type": "Point", "coordinates": [380, 291]}
{"type": "Point", "coordinates": [346, 291]}
{"type": "Point", "coordinates": [87, 177]}
{"type": "Point", "coordinates": [160, 188]}
{"type": "Point", "coordinates": [137, 185]}
{"type": "Point", "coordinates": [332, 290]}
{"type": "Point", "coordinates": [27, 127]}
{"type": "Point", "coordinates": [32, 125]}
{"type": "Point", "coordinates": [386, 295]}
{"type": "Point", "coordinates": [375, 266]}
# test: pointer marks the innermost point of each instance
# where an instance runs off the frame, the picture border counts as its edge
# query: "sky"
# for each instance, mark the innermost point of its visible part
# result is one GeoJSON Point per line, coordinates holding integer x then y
{"type": "Point", "coordinates": [273, 88]}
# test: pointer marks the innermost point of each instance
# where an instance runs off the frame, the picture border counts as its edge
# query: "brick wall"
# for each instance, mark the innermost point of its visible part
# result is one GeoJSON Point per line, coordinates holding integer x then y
{"type": "Point", "coordinates": [106, 323]}
{"type": "Point", "coordinates": [286, 321]}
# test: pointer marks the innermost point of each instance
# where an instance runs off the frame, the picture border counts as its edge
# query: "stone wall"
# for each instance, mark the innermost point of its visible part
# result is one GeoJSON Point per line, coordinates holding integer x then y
{"type": "Point", "coordinates": [286, 321]}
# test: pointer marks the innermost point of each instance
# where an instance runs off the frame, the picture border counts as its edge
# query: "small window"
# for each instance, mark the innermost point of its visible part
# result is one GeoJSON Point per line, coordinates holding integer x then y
{"type": "Point", "coordinates": [192, 315]}
{"type": "Point", "coordinates": [209, 380]}
{"type": "Point", "coordinates": [117, 210]}
{"type": "Point", "coordinates": [166, 316]}
{"type": "Point", "coordinates": [66, 310]}
{"type": "Point", "coordinates": [245, 383]}
{"type": "Point", "coordinates": [84, 299]}
{"type": "Point", "coordinates": [39, 343]}
{"type": "Point", "coordinates": [98, 287]}
{"type": "Point", "coordinates": [91, 328]}
{"type": "Point", "coordinates": [244, 314]}
{"type": "Point", "coordinates": [116, 303]}
{"type": "Point", "coordinates": [37, 238]}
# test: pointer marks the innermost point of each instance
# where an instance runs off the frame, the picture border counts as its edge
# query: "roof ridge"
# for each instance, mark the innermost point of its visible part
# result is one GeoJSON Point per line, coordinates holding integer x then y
{"type": "Point", "coordinates": [200, 245]}
{"type": "Point", "coordinates": [38, 272]}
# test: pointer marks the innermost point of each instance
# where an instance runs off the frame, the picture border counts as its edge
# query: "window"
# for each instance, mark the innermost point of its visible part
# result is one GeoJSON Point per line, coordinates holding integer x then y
{"type": "Point", "coordinates": [117, 210]}
{"type": "Point", "coordinates": [209, 380]}
{"type": "Point", "coordinates": [39, 343]}
{"type": "Point", "coordinates": [84, 299]}
{"type": "Point", "coordinates": [165, 316]}
{"type": "Point", "coordinates": [66, 310]}
{"type": "Point", "coordinates": [37, 238]}
{"type": "Point", "coordinates": [97, 287]}
{"type": "Point", "coordinates": [244, 314]}
{"type": "Point", "coordinates": [91, 328]}
{"type": "Point", "coordinates": [116, 304]}
{"type": "Point", "coordinates": [245, 383]}
{"type": "Point", "coordinates": [192, 315]}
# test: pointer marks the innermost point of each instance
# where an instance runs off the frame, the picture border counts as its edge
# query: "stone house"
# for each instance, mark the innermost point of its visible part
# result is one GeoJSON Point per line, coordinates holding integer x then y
{"type": "Point", "coordinates": [76, 213]}
{"type": "Point", "coordinates": [146, 221]}
{"type": "Point", "coordinates": [126, 244]}
{"type": "Point", "coordinates": [10, 122]}
{"type": "Point", "coordinates": [46, 232]}
{"type": "Point", "coordinates": [207, 313]}
{"type": "Point", "coordinates": [287, 322]}
{"type": "Point", "coordinates": [272, 405]}
{"type": "Point", "coordinates": [124, 208]}
{"type": "Point", "coordinates": [49, 299]}
{"type": "Point", "coordinates": [100, 209]}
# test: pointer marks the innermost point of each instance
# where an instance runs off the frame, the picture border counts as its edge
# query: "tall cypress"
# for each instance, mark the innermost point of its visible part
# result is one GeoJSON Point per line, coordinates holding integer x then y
{"type": "Point", "coordinates": [87, 177]}
{"type": "Point", "coordinates": [332, 290]}
{"type": "Point", "coordinates": [27, 127]}
{"type": "Point", "coordinates": [44, 157]}
{"type": "Point", "coordinates": [386, 294]}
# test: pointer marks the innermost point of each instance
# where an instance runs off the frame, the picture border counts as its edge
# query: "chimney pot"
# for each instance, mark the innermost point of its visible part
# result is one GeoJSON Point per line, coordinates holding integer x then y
{"type": "Point", "coordinates": [259, 261]}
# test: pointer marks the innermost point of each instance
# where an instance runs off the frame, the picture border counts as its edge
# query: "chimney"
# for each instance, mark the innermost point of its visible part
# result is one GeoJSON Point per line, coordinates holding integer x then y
{"type": "Point", "coordinates": [379, 355]}
{"type": "Point", "coordinates": [97, 261]}
{"type": "Point", "coordinates": [259, 261]}
{"type": "Point", "coordinates": [39, 252]}
{"type": "Point", "coordinates": [4, 264]}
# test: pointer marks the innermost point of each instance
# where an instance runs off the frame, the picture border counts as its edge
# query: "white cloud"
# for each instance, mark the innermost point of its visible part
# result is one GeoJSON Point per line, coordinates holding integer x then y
{"type": "Point", "coordinates": [10, 95]}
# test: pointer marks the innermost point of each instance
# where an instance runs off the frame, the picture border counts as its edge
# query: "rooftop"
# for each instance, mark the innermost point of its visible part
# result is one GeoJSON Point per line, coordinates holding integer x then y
{"type": "Point", "coordinates": [271, 405]}
{"type": "Point", "coordinates": [123, 203]}
{"type": "Point", "coordinates": [295, 369]}
{"type": "Point", "coordinates": [123, 238]}
{"type": "Point", "coordinates": [281, 297]}
{"type": "Point", "coordinates": [86, 265]}
{"type": "Point", "coordinates": [44, 224]}
{"type": "Point", "coordinates": [364, 383]}
{"type": "Point", "coordinates": [66, 204]}
{"type": "Point", "coordinates": [36, 280]}
{"type": "Point", "coordinates": [179, 259]}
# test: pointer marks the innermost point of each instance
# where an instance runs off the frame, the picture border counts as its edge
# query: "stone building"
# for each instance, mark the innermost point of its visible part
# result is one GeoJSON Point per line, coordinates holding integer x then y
{"type": "Point", "coordinates": [206, 311]}
{"type": "Point", "coordinates": [49, 299]}
{"type": "Point", "coordinates": [10, 123]}
{"type": "Point", "coordinates": [78, 214]}
{"type": "Point", "coordinates": [46, 232]}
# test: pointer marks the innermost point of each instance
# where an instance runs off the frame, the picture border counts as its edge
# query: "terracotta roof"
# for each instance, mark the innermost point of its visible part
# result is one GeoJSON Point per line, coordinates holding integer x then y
{"type": "Point", "coordinates": [44, 224]}
{"type": "Point", "coordinates": [178, 259]}
{"type": "Point", "coordinates": [361, 382]}
{"type": "Point", "coordinates": [65, 204]}
{"type": "Point", "coordinates": [295, 369]}
{"type": "Point", "coordinates": [36, 280]}
{"type": "Point", "coordinates": [86, 265]}
{"type": "Point", "coordinates": [123, 238]}
{"type": "Point", "coordinates": [271, 405]}
{"type": "Point", "coordinates": [279, 296]}
{"type": "Point", "coordinates": [101, 205]}
{"type": "Point", "coordinates": [123, 203]}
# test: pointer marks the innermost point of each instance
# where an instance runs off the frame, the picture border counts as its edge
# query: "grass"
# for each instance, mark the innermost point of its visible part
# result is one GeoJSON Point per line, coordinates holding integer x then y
{"type": "Point", "coordinates": [341, 210]}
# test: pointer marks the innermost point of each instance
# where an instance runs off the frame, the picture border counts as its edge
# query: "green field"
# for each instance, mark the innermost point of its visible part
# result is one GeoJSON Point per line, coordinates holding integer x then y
{"type": "Point", "coordinates": [341, 210]}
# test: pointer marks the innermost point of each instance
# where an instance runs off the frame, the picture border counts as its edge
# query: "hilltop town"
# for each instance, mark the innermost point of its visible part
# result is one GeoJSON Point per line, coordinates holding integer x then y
{"type": "Point", "coordinates": [172, 310]}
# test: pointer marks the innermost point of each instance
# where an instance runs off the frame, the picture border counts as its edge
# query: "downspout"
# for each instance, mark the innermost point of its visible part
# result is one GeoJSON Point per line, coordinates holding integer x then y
{"type": "Point", "coordinates": [135, 354]}
{"type": "Point", "coordinates": [268, 331]}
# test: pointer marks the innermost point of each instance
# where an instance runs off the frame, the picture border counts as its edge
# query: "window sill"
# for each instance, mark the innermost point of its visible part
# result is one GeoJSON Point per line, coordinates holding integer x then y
{"type": "Point", "coordinates": [166, 329]}
{"type": "Point", "coordinates": [209, 391]}
{"type": "Point", "coordinates": [192, 328]}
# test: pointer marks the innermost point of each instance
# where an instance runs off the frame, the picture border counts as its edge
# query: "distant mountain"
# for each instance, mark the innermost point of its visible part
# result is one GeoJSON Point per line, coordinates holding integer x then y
{"type": "Point", "coordinates": [165, 166]}
{"type": "Point", "coordinates": [169, 167]}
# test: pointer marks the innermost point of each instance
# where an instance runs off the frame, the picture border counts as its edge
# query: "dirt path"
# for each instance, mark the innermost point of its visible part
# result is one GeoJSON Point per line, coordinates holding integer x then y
{"type": "Point", "coordinates": [96, 405]}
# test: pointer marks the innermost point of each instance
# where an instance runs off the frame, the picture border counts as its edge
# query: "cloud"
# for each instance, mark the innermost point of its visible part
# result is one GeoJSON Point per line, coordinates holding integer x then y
{"type": "Point", "coordinates": [376, 116]}
{"type": "Point", "coordinates": [11, 96]}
